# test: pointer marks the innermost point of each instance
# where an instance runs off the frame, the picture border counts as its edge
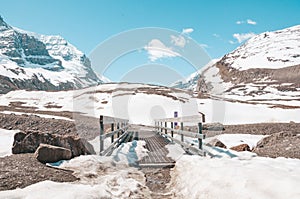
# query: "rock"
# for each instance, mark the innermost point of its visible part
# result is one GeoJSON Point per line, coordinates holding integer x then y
{"type": "Point", "coordinates": [216, 143]}
{"type": "Point", "coordinates": [241, 147]}
{"type": "Point", "coordinates": [46, 153]}
{"type": "Point", "coordinates": [282, 144]}
{"type": "Point", "coordinates": [274, 138]}
{"type": "Point", "coordinates": [32, 140]}
{"type": "Point", "coordinates": [213, 127]}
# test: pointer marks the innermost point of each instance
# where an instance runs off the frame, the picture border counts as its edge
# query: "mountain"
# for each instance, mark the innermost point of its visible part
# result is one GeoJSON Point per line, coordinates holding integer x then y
{"type": "Point", "coordinates": [38, 62]}
{"type": "Point", "coordinates": [264, 70]}
{"type": "Point", "coordinates": [191, 82]}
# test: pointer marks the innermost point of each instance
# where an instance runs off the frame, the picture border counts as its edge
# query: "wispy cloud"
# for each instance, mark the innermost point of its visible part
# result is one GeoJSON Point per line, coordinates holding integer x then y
{"type": "Point", "coordinates": [248, 21]}
{"type": "Point", "coordinates": [231, 42]}
{"type": "Point", "coordinates": [216, 35]}
{"type": "Point", "coordinates": [187, 30]}
{"type": "Point", "coordinates": [204, 45]}
{"type": "Point", "coordinates": [157, 50]}
{"type": "Point", "coordinates": [178, 40]}
{"type": "Point", "coordinates": [240, 37]}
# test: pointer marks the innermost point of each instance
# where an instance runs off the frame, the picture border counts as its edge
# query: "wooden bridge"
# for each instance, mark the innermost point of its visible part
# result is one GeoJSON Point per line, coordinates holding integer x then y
{"type": "Point", "coordinates": [165, 132]}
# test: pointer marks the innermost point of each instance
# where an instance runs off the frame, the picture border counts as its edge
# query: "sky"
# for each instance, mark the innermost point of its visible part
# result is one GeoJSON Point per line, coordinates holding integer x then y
{"type": "Point", "coordinates": [218, 27]}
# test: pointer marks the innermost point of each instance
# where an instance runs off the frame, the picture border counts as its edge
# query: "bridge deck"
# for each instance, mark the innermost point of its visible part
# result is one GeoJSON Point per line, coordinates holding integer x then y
{"type": "Point", "coordinates": [155, 144]}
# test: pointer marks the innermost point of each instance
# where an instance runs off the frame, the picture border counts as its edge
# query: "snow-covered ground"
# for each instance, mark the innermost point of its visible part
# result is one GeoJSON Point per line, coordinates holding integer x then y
{"type": "Point", "coordinates": [6, 141]}
{"type": "Point", "coordinates": [255, 177]}
{"type": "Point", "coordinates": [131, 101]}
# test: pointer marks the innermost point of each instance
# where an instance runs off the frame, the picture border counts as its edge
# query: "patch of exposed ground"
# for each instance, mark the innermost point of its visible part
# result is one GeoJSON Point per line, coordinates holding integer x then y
{"type": "Point", "coordinates": [21, 170]}
{"type": "Point", "coordinates": [284, 140]}
{"type": "Point", "coordinates": [157, 180]}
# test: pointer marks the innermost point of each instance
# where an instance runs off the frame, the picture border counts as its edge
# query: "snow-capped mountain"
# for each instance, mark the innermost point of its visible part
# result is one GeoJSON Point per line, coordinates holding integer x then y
{"type": "Point", "coordinates": [38, 62]}
{"type": "Point", "coordinates": [271, 50]}
{"type": "Point", "coordinates": [191, 82]}
{"type": "Point", "coordinates": [264, 70]}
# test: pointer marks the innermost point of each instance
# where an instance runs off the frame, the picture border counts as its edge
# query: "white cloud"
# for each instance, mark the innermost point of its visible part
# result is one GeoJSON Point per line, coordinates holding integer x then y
{"type": "Point", "coordinates": [249, 21]}
{"type": "Point", "coordinates": [156, 50]}
{"type": "Point", "coordinates": [178, 40]}
{"type": "Point", "coordinates": [204, 45]}
{"type": "Point", "coordinates": [240, 37]}
{"type": "Point", "coordinates": [216, 35]}
{"type": "Point", "coordinates": [187, 30]}
{"type": "Point", "coordinates": [231, 42]}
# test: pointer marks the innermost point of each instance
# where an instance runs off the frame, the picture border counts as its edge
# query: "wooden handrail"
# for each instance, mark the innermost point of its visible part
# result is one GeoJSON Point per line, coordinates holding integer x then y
{"type": "Point", "coordinates": [162, 128]}
{"type": "Point", "coordinates": [122, 126]}
{"type": "Point", "coordinates": [185, 133]}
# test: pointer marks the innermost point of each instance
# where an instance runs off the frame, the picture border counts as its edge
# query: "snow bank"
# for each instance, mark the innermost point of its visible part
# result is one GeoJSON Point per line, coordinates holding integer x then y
{"type": "Point", "coordinates": [6, 141]}
{"type": "Point", "coordinates": [258, 177]}
{"type": "Point", "coordinates": [231, 140]}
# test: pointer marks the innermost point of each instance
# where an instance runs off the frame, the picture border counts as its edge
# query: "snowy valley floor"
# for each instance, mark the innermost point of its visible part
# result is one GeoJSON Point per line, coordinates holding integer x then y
{"type": "Point", "coordinates": [228, 175]}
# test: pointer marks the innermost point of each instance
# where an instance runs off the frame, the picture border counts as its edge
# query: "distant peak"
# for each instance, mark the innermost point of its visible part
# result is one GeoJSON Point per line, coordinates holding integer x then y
{"type": "Point", "coordinates": [2, 22]}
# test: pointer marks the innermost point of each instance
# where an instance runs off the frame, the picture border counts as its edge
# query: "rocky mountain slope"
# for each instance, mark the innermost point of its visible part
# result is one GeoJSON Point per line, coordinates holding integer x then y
{"type": "Point", "coordinates": [38, 62]}
{"type": "Point", "coordinates": [265, 70]}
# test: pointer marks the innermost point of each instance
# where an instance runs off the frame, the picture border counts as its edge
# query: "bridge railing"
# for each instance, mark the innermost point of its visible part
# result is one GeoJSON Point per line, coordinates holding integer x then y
{"type": "Point", "coordinates": [161, 126]}
{"type": "Point", "coordinates": [119, 133]}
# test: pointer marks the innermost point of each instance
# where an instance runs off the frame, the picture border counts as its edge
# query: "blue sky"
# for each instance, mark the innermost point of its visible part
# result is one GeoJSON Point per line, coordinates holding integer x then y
{"type": "Point", "coordinates": [85, 24]}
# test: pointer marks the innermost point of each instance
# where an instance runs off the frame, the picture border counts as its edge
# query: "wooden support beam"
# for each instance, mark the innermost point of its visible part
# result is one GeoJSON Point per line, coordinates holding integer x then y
{"type": "Point", "coordinates": [181, 127]}
{"type": "Point", "coordinates": [200, 132]}
{"type": "Point", "coordinates": [112, 129]}
{"type": "Point", "coordinates": [166, 130]}
{"type": "Point", "coordinates": [172, 127]}
{"type": "Point", "coordinates": [101, 133]}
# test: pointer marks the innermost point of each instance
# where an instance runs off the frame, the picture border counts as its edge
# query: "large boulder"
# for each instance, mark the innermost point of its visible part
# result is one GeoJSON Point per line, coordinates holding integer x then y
{"type": "Point", "coordinates": [46, 153]}
{"type": "Point", "coordinates": [241, 147]}
{"type": "Point", "coordinates": [282, 144]}
{"type": "Point", "coordinates": [29, 142]}
{"type": "Point", "coordinates": [216, 143]}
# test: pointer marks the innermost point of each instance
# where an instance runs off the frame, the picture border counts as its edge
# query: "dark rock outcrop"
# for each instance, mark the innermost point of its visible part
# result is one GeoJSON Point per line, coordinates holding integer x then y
{"type": "Point", "coordinates": [46, 153]}
{"type": "Point", "coordinates": [32, 140]}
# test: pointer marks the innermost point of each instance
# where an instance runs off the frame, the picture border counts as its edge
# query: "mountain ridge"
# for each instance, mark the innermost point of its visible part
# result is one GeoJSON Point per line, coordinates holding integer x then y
{"type": "Point", "coordinates": [33, 61]}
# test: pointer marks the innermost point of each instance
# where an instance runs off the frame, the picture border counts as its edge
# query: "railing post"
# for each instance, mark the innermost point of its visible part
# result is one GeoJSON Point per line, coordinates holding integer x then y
{"type": "Point", "coordinates": [161, 126]}
{"type": "Point", "coordinates": [112, 129]}
{"type": "Point", "coordinates": [166, 130]}
{"type": "Point", "coordinates": [181, 127]}
{"type": "Point", "coordinates": [101, 133]}
{"type": "Point", "coordinates": [200, 132]}
{"type": "Point", "coordinates": [172, 126]}
{"type": "Point", "coordinates": [118, 127]}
